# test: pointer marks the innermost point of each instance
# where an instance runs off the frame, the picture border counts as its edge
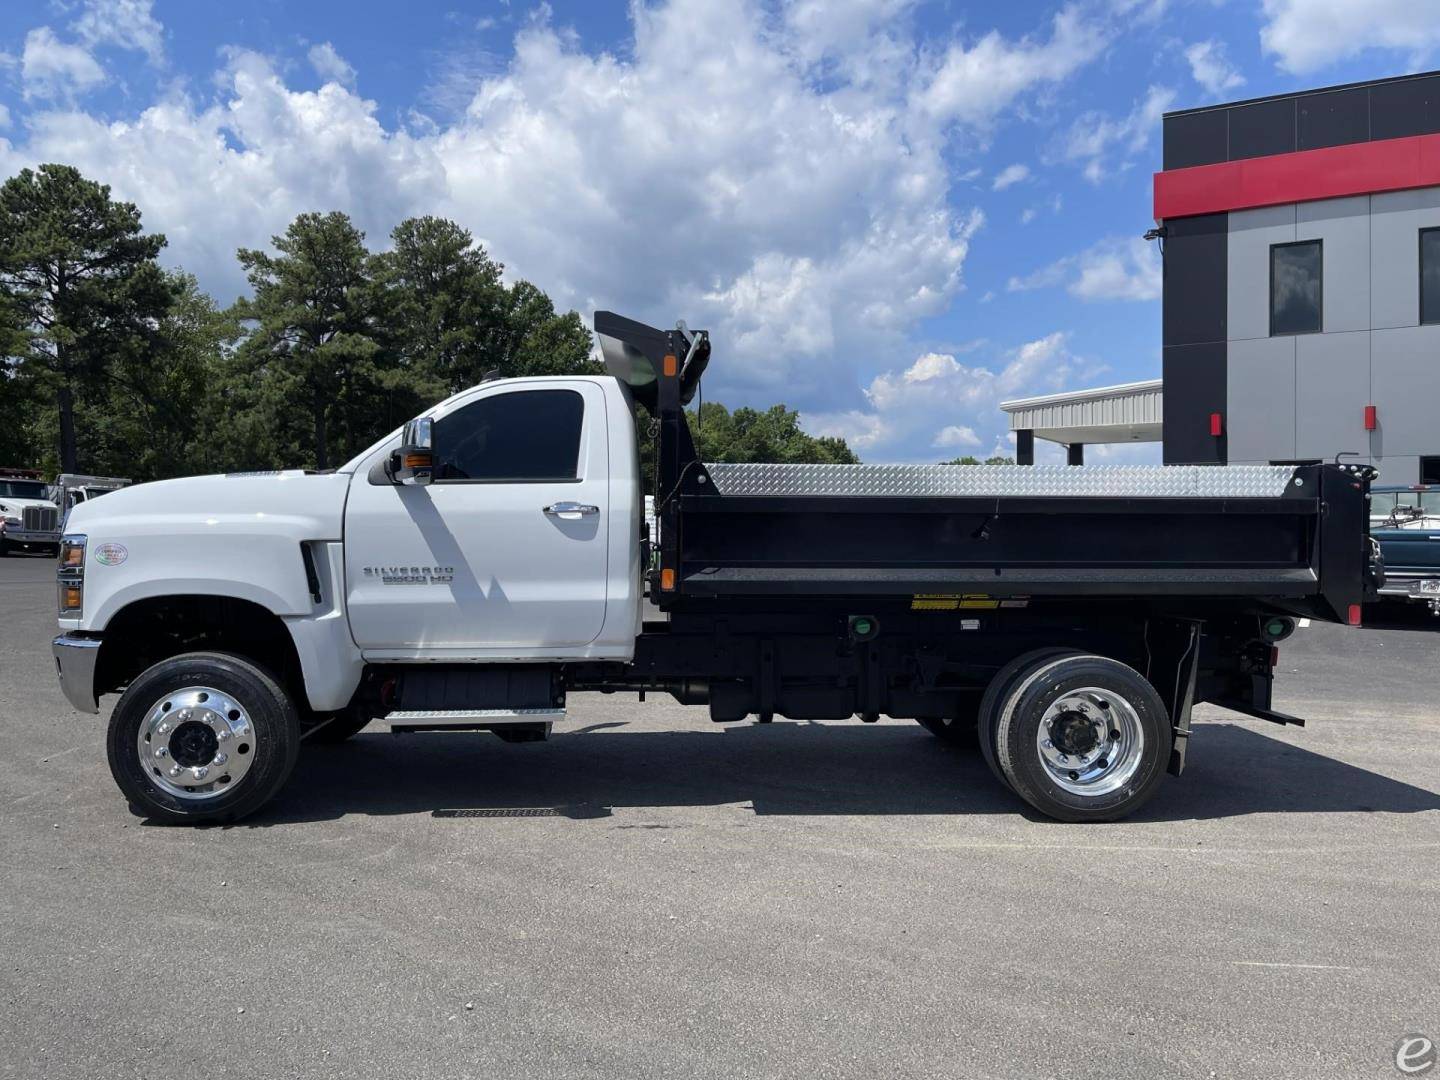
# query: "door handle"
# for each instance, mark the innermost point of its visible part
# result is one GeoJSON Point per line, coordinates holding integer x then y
{"type": "Point", "coordinates": [566, 509]}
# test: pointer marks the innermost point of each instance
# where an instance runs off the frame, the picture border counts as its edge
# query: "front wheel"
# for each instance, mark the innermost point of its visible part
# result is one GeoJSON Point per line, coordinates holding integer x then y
{"type": "Point", "coordinates": [201, 738]}
{"type": "Point", "coordinates": [1082, 738]}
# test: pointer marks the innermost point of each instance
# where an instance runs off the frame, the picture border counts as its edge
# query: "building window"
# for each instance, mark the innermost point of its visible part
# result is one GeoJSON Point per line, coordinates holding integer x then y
{"type": "Point", "coordinates": [1430, 470]}
{"type": "Point", "coordinates": [1295, 288]}
{"type": "Point", "coordinates": [1430, 276]}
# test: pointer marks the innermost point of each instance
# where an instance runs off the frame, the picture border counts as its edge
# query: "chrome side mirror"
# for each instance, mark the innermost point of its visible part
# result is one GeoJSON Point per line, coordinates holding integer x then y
{"type": "Point", "coordinates": [414, 462]}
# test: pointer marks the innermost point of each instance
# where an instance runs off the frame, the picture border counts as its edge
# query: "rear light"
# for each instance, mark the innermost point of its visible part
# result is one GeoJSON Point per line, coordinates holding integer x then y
{"type": "Point", "coordinates": [1353, 616]}
{"type": "Point", "coordinates": [70, 577]}
{"type": "Point", "coordinates": [667, 579]}
{"type": "Point", "coordinates": [1217, 424]}
{"type": "Point", "coordinates": [1372, 418]}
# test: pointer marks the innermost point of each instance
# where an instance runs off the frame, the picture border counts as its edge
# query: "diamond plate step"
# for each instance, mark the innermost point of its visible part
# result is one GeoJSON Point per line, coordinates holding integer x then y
{"type": "Point", "coordinates": [442, 718]}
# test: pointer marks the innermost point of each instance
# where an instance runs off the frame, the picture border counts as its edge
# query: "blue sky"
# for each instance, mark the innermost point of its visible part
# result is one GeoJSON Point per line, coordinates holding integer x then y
{"type": "Point", "coordinates": [893, 214]}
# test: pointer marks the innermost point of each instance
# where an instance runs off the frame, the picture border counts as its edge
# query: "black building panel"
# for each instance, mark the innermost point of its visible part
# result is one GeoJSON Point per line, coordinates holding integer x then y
{"type": "Point", "coordinates": [1333, 119]}
{"type": "Point", "coordinates": [1198, 138]}
{"type": "Point", "coordinates": [1404, 108]}
{"type": "Point", "coordinates": [1195, 388]}
{"type": "Point", "coordinates": [1261, 129]}
{"type": "Point", "coordinates": [1195, 279]}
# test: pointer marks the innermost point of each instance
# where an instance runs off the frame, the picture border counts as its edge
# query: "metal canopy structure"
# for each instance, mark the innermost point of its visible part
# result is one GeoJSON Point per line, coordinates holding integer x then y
{"type": "Point", "coordinates": [1131, 412]}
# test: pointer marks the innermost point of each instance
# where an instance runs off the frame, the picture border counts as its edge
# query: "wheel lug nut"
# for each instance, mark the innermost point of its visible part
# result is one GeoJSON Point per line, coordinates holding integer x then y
{"type": "Point", "coordinates": [220, 759]}
{"type": "Point", "coordinates": [1048, 744]}
{"type": "Point", "coordinates": [223, 734]}
{"type": "Point", "coordinates": [162, 729]}
{"type": "Point", "coordinates": [160, 751]}
{"type": "Point", "coordinates": [174, 770]}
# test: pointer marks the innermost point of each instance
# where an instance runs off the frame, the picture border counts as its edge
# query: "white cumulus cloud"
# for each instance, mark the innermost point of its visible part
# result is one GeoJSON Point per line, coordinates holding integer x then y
{"type": "Point", "coordinates": [796, 192]}
{"type": "Point", "coordinates": [1211, 68]}
{"type": "Point", "coordinates": [330, 65]}
{"type": "Point", "coordinates": [53, 69]}
{"type": "Point", "coordinates": [1102, 144]}
{"type": "Point", "coordinates": [126, 24]}
{"type": "Point", "coordinates": [939, 402]}
{"type": "Point", "coordinates": [975, 83]}
{"type": "Point", "coordinates": [1305, 35]}
{"type": "Point", "coordinates": [1111, 270]}
{"type": "Point", "coordinates": [790, 193]}
{"type": "Point", "coordinates": [1010, 176]}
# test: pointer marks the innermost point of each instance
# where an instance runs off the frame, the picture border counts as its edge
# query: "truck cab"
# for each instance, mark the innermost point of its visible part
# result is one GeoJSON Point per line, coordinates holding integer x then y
{"type": "Point", "coordinates": [29, 519]}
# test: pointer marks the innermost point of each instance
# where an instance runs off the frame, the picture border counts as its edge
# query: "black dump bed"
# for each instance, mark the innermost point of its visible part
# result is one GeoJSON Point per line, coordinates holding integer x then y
{"type": "Point", "coordinates": [1292, 536]}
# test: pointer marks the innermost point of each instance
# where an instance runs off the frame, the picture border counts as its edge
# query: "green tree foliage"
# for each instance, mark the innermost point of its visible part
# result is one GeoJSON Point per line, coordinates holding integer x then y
{"type": "Point", "coordinates": [309, 338]}
{"type": "Point", "coordinates": [748, 435]}
{"type": "Point", "coordinates": [80, 288]}
{"type": "Point", "coordinates": [335, 347]}
{"type": "Point", "coordinates": [970, 459]}
{"type": "Point", "coordinates": [745, 435]}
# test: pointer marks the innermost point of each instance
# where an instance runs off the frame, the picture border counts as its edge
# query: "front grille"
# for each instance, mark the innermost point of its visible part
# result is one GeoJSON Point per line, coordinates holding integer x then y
{"type": "Point", "coordinates": [40, 519]}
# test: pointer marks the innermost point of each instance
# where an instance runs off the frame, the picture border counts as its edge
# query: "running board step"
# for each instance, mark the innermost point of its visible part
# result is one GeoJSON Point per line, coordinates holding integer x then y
{"type": "Point", "coordinates": [481, 719]}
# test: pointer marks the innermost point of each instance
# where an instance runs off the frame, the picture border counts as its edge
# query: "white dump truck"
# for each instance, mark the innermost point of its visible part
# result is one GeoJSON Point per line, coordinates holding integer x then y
{"type": "Point", "coordinates": [468, 572]}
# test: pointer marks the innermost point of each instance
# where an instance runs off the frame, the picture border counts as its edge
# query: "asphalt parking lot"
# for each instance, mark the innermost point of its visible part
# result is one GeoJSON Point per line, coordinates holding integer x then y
{"type": "Point", "coordinates": [652, 895]}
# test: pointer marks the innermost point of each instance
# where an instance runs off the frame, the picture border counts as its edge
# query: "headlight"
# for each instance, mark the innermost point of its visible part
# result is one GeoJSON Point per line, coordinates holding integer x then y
{"type": "Point", "coordinates": [70, 576]}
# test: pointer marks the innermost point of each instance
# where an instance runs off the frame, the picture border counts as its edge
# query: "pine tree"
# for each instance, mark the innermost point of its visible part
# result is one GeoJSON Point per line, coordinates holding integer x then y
{"type": "Point", "coordinates": [80, 285]}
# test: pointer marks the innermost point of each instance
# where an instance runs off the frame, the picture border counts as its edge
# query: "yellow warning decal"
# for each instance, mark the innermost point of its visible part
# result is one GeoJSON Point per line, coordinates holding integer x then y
{"type": "Point", "coordinates": [952, 601]}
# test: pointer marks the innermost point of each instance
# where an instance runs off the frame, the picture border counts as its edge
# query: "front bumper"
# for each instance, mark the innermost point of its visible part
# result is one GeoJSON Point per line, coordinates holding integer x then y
{"type": "Point", "coordinates": [75, 659]}
{"type": "Point", "coordinates": [21, 536]}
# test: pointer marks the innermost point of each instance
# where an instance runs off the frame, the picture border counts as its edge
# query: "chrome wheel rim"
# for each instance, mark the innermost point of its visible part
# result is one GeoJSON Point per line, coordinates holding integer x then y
{"type": "Point", "coordinates": [1090, 741]}
{"type": "Point", "coordinates": [196, 743]}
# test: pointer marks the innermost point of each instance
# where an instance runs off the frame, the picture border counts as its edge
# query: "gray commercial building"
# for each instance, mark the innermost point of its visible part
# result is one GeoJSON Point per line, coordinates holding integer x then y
{"type": "Point", "coordinates": [1301, 313]}
{"type": "Point", "coordinates": [1302, 278]}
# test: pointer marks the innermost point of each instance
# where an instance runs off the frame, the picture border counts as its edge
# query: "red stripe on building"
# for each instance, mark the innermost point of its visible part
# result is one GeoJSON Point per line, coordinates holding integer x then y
{"type": "Point", "coordinates": [1332, 173]}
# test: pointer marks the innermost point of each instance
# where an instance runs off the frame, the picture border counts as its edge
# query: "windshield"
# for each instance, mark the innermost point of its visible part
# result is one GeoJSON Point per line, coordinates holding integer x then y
{"type": "Point", "coordinates": [22, 489]}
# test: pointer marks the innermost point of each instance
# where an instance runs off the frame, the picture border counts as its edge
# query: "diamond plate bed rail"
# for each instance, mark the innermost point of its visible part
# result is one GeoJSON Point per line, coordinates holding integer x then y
{"type": "Point", "coordinates": [1042, 481]}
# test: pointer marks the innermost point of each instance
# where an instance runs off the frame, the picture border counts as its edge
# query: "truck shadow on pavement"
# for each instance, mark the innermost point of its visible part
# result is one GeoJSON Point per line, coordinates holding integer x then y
{"type": "Point", "coordinates": [784, 769]}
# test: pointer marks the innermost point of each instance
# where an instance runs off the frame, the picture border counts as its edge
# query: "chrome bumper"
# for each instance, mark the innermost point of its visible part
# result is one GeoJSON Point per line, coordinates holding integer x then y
{"type": "Point", "coordinates": [21, 536]}
{"type": "Point", "coordinates": [1412, 586]}
{"type": "Point", "coordinates": [75, 659]}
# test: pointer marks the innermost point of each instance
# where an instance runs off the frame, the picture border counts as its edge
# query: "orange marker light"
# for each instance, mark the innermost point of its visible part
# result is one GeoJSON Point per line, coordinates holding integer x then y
{"type": "Point", "coordinates": [672, 366]}
{"type": "Point", "coordinates": [73, 597]}
{"type": "Point", "coordinates": [667, 579]}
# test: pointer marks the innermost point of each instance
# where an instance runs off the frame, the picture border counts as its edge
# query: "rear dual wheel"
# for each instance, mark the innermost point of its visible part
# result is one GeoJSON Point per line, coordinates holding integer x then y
{"type": "Point", "coordinates": [1079, 737]}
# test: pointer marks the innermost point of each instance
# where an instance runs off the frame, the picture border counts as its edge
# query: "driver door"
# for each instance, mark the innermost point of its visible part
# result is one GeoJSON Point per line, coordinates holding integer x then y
{"type": "Point", "coordinates": [504, 552]}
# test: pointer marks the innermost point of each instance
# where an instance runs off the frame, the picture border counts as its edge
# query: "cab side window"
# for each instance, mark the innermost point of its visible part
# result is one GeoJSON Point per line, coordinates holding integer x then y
{"type": "Point", "coordinates": [525, 435]}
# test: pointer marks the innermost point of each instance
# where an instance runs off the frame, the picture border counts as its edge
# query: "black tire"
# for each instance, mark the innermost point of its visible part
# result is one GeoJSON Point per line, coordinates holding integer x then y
{"type": "Point", "coordinates": [996, 693]}
{"type": "Point", "coordinates": [951, 730]}
{"type": "Point", "coordinates": [1023, 711]}
{"type": "Point", "coordinates": [341, 725]}
{"type": "Point", "coordinates": [271, 713]}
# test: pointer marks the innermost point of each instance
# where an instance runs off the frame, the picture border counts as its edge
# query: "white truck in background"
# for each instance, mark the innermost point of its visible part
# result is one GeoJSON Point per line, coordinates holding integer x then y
{"type": "Point", "coordinates": [29, 518]}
